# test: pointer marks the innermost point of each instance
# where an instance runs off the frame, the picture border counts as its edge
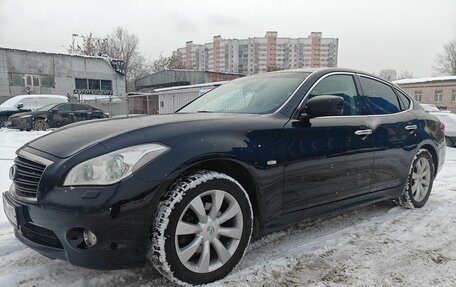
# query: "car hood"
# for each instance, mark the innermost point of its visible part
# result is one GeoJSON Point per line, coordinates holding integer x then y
{"type": "Point", "coordinates": [73, 138]}
{"type": "Point", "coordinates": [17, 115]}
{"type": "Point", "coordinates": [7, 108]}
{"type": "Point", "coordinates": [28, 113]}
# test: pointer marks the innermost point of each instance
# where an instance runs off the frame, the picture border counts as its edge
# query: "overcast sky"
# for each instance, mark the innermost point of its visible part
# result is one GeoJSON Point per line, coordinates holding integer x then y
{"type": "Point", "coordinates": [373, 34]}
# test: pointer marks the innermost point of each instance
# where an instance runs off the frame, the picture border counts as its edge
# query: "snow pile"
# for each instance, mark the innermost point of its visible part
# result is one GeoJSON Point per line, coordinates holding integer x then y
{"type": "Point", "coordinates": [380, 245]}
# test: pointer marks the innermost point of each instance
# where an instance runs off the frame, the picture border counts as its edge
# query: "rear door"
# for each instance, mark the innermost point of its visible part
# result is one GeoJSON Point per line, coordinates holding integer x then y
{"type": "Point", "coordinates": [328, 158]}
{"type": "Point", "coordinates": [60, 115]}
{"type": "Point", "coordinates": [81, 112]}
{"type": "Point", "coordinates": [394, 132]}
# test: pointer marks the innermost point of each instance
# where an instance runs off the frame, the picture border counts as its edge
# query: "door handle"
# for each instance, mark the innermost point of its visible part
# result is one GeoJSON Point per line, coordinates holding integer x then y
{"type": "Point", "coordinates": [411, 127]}
{"type": "Point", "coordinates": [365, 132]}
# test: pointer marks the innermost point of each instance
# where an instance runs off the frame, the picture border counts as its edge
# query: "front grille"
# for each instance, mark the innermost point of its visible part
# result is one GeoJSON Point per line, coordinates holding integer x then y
{"type": "Point", "coordinates": [28, 175]}
{"type": "Point", "coordinates": [40, 235]}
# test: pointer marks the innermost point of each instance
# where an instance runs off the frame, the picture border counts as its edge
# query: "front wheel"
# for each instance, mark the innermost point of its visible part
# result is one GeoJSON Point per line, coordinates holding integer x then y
{"type": "Point", "coordinates": [201, 229]}
{"type": "Point", "coordinates": [419, 181]}
{"type": "Point", "coordinates": [3, 121]}
{"type": "Point", "coordinates": [40, 125]}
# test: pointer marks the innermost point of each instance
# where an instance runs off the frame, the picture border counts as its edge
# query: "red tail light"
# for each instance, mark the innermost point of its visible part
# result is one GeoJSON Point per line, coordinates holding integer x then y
{"type": "Point", "coordinates": [442, 127]}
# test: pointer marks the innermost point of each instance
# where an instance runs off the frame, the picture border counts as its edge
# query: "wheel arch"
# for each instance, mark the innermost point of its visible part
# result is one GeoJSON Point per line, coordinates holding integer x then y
{"type": "Point", "coordinates": [234, 169]}
{"type": "Point", "coordinates": [435, 159]}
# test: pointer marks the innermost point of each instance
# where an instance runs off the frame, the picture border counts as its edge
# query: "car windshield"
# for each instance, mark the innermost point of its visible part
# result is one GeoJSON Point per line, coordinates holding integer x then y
{"type": "Point", "coordinates": [47, 107]}
{"type": "Point", "coordinates": [256, 95]}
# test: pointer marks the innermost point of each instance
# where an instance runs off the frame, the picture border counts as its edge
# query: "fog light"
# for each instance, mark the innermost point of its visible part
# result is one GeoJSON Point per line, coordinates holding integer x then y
{"type": "Point", "coordinates": [89, 238]}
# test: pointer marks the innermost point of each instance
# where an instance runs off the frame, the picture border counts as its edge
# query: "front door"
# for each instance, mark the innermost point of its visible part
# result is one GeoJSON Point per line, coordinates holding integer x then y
{"type": "Point", "coordinates": [328, 158]}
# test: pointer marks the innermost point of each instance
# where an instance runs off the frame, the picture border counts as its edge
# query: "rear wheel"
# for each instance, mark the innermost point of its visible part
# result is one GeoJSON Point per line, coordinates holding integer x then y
{"type": "Point", "coordinates": [40, 125]}
{"type": "Point", "coordinates": [201, 229]}
{"type": "Point", "coordinates": [419, 182]}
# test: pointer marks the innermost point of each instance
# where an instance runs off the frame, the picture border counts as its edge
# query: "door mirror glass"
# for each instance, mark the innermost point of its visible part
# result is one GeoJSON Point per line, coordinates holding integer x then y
{"type": "Point", "coordinates": [324, 105]}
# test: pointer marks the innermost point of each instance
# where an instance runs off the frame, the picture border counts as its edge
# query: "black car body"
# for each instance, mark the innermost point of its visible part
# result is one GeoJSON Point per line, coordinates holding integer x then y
{"type": "Point", "coordinates": [53, 116]}
{"type": "Point", "coordinates": [291, 164]}
{"type": "Point", "coordinates": [26, 103]}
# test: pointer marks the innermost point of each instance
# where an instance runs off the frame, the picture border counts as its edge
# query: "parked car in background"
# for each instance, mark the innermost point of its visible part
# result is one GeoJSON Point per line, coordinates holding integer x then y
{"type": "Point", "coordinates": [25, 103]}
{"type": "Point", "coordinates": [187, 191]}
{"type": "Point", "coordinates": [54, 116]}
{"type": "Point", "coordinates": [449, 120]}
{"type": "Point", "coordinates": [430, 108]}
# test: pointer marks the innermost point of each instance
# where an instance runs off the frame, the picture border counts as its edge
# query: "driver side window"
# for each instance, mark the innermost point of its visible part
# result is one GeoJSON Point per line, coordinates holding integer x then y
{"type": "Point", "coordinates": [63, 108]}
{"type": "Point", "coordinates": [342, 86]}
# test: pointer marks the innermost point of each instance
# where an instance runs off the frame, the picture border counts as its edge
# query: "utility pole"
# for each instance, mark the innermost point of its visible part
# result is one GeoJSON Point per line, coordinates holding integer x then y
{"type": "Point", "coordinates": [73, 36]}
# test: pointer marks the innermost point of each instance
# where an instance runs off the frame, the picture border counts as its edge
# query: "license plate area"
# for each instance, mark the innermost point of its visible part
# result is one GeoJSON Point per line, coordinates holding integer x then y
{"type": "Point", "coordinates": [10, 211]}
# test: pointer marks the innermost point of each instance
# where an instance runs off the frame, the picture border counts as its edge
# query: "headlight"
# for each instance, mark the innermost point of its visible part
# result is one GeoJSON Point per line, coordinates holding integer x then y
{"type": "Point", "coordinates": [114, 166]}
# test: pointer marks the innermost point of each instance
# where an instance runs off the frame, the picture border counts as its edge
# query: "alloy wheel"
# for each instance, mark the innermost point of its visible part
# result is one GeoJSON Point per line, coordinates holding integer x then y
{"type": "Point", "coordinates": [39, 125]}
{"type": "Point", "coordinates": [209, 231]}
{"type": "Point", "coordinates": [421, 178]}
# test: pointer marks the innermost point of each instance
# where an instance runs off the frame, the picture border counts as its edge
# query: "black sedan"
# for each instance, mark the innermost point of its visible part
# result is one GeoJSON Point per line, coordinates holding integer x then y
{"type": "Point", "coordinates": [53, 116]}
{"type": "Point", "coordinates": [187, 191]}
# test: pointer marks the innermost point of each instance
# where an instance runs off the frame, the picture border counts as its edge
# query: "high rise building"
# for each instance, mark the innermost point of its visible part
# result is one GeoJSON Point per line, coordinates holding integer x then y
{"type": "Point", "coordinates": [260, 54]}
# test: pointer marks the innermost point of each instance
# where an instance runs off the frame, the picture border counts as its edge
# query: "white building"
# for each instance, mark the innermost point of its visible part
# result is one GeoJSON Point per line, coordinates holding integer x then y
{"type": "Point", "coordinates": [28, 72]}
{"type": "Point", "coordinates": [260, 54]}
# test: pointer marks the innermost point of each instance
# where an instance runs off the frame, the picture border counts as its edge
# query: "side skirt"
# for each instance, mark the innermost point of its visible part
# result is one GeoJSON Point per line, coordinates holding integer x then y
{"type": "Point", "coordinates": [333, 208]}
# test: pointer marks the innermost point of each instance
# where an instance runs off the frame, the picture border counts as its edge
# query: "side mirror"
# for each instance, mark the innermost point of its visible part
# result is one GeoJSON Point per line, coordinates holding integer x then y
{"type": "Point", "coordinates": [20, 106]}
{"type": "Point", "coordinates": [323, 105]}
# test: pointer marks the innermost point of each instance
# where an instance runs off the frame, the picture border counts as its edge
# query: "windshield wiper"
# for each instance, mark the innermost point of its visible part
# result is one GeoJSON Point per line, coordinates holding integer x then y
{"type": "Point", "coordinates": [204, 111]}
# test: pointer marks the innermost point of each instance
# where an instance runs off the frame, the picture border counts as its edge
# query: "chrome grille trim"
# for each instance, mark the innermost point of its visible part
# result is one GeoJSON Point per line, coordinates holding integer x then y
{"type": "Point", "coordinates": [29, 170]}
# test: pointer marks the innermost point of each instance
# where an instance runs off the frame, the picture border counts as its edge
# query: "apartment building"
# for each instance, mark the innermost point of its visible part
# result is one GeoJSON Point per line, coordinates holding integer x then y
{"type": "Point", "coordinates": [260, 54]}
{"type": "Point", "coordinates": [440, 91]}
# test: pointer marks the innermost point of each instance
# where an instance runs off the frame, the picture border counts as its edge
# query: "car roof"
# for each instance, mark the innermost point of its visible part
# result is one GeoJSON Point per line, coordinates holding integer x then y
{"type": "Point", "coordinates": [40, 95]}
{"type": "Point", "coordinates": [324, 70]}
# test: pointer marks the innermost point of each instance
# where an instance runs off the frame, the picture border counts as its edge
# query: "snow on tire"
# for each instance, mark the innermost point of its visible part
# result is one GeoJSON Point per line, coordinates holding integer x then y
{"type": "Point", "coordinates": [201, 229]}
{"type": "Point", "coordinates": [419, 181]}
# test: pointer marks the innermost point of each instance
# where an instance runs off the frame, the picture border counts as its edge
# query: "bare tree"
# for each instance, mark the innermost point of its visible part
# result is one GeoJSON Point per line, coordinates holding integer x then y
{"type": "Point", "coordinates": [124, 45]}
{"type": "Point", "coordinates": [272, 68]}
{"type": "Point", "coordinates": [405, 75]}
{"type": "Point", "coordinates": [167, 63]}
{"type": "Point", "coordinates": [445, 63]}
{"type": "Point", "coordinates": [90, 46]}
{"type": "Point", "coordinates": [174, 62]}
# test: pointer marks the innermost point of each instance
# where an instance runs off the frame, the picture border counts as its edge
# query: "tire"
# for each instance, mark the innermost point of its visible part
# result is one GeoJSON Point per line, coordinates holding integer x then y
{"type": "Point", "coordinates": [449, 141]}
{"type": "Point", "coordinates": [204, 251]}
{"type": "Point", "coordinates": [3, 121]}
{"type": "Point", "coordinates": [419, 181]}
{"type": "Point", "coordinates": [40, 125]}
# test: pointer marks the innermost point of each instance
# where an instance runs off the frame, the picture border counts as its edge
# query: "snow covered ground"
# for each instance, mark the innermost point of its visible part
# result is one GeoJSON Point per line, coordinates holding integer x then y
{"type": "Point", "coordinates": [381, 245]}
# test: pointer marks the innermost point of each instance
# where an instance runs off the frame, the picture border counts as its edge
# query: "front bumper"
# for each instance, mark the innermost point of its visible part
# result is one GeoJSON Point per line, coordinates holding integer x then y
{"type": "Point", "coordinates": [19, 123]}
{"type": "Point", "coordinates": [122, 230]}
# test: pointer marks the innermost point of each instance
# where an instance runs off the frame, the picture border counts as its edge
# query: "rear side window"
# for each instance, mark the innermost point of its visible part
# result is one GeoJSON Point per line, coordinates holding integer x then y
{"type": "Point", "coordinates": [380, 99]}
{"type": "Point", "coordinates": [64, 108]}
{"type": "Point", "coordinates": [79, 107]}
{"type": "Point", "coordinates": [404, 101]}
{"type": "Point", "coordinates": [343, 86]}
